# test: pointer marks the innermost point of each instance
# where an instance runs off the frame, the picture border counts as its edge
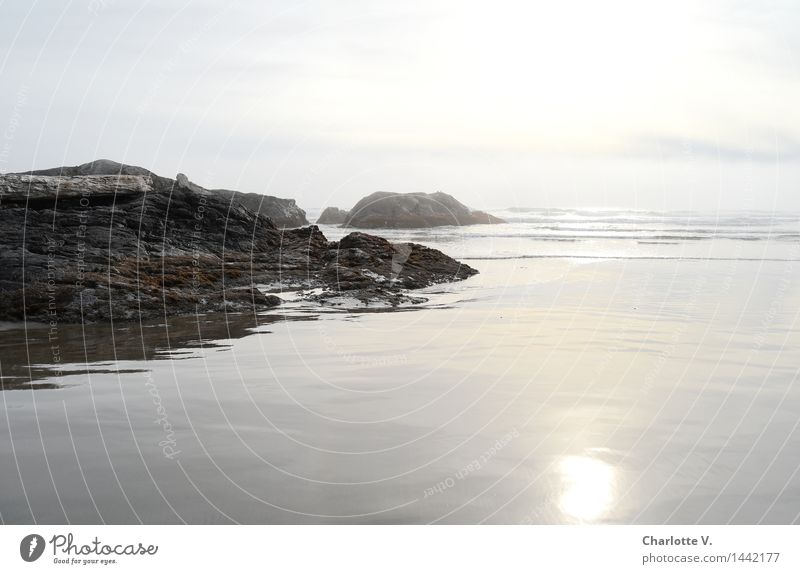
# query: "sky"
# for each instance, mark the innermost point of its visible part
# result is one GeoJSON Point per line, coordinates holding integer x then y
{"type": "Point", "coordinates": [615, 104]}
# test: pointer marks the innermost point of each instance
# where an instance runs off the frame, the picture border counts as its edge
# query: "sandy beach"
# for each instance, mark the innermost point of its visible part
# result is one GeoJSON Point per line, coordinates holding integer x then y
{"type": "Point", "coordinates": [638, 384]}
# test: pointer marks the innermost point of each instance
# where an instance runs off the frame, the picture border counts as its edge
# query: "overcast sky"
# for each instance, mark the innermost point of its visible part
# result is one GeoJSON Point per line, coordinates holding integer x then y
{"type": "Point", "coordinates": [688, 105]}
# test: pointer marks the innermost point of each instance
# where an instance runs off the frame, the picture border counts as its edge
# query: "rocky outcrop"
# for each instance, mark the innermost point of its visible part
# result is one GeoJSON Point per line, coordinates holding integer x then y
{"type": "Point", "coordinates": [284, 213]}
{"type": "Point", "coordinates": [97, 167]}
{"type": "Point", "coordinates": [359, 260]}
{"type": "Point", "coordinates": [411, 210]}
{"type": "Point", "coordinates": [332, 216]}
{"type": "Point", "coordinates": [98, 247]}
{"type": "Point", "coordinates": [35, 189]}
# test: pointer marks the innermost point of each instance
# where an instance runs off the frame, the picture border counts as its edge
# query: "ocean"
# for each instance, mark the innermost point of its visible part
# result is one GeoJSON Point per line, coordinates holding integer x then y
{"type": "Point", "coordinates": [604, 367]}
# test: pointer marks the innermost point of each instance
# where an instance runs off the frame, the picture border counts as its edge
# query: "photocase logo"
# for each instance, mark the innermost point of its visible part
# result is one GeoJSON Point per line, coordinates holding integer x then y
{"type": "Point", "coordinates": [31, 547]}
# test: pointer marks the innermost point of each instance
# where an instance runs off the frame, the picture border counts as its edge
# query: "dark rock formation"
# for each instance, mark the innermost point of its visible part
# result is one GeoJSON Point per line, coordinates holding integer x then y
{"type": "Point", "coordinates": [97, 167]}
{"type": "Point", "coordinates": [284, 213]}
{"type": "Point", "coordinates": [358, 261]}
{"type": "Point", "coordinates": [137, 246]}
{"type": "Point", "coordinates": [332, 216]}
{"type": "Point", "coordinates": [410, 210]}
{"type": "Point", "coordinates": [49, 190]}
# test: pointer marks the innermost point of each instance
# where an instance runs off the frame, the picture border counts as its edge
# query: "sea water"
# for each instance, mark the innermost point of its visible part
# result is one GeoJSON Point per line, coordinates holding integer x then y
{"type": "Point", "coordinates": [603, 367]}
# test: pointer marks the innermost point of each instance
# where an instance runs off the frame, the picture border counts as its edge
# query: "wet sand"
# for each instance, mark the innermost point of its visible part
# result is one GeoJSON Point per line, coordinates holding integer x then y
{"type": "Point", "coordinates": [550, 391]}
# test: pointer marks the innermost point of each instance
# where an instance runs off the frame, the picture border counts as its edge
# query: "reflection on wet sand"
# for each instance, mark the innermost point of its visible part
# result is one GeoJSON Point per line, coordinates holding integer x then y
{"type": "Point", "coordinates": [588, 488]}
{"type": "Point", "coordinates": [30, 355]}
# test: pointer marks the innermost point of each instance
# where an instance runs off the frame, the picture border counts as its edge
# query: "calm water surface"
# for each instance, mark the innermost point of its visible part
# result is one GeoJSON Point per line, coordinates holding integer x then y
{"type": "Point", "coordinates": [622, 367]}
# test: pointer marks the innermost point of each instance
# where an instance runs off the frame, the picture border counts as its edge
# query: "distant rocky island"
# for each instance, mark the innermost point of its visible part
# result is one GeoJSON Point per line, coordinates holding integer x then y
{"type": "Point", "coordinates": [104, 241]}
{"type": "Point", "coordinates": [382, 209]}
{"type": "Point", "coordinates": [332, 216]}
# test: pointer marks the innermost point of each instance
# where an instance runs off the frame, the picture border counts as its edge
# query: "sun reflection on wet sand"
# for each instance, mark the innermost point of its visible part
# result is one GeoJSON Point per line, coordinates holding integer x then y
{"type": "Point", "coordinates": [588, 490]}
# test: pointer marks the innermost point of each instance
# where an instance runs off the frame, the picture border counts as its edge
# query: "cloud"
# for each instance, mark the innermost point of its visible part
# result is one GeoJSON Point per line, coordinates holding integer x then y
{"type": "Point", "coordinates": [442, 87]}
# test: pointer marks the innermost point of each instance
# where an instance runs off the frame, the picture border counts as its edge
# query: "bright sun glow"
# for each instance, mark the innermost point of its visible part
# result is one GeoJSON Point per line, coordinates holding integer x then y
{"type": "Point", "coordinates": [588, 487]}
{"type": "Point", "coordinates": [540, 74]}
{"type": "Point", "coordinates": [576, 76]}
